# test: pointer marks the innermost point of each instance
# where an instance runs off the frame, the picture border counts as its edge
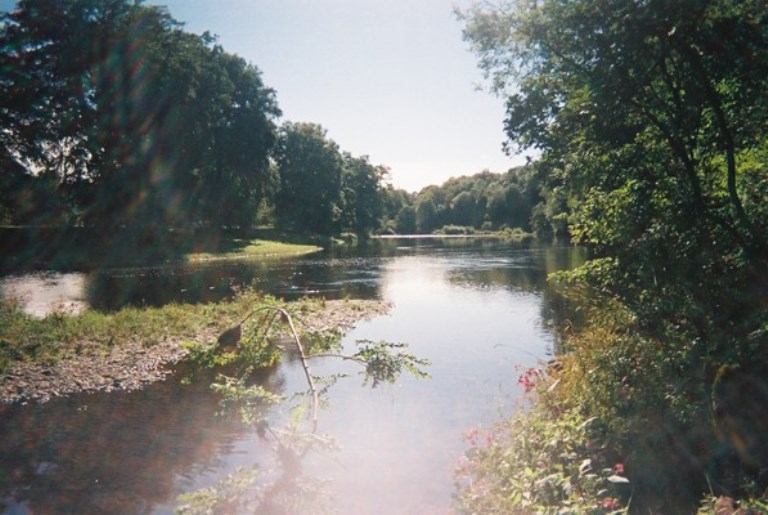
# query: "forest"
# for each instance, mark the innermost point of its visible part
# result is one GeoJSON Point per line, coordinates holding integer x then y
{"type": "Point", "coordinates": [114, 116]}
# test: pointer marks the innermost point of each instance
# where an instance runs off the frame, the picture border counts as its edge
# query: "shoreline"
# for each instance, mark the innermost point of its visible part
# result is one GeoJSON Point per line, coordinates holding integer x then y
{"type": "Point", "coordinates": [135, 364]}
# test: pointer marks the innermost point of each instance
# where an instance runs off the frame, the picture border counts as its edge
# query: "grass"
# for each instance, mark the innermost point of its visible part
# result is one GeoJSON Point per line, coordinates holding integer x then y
{"type": "Point", "coordinates": [256, 248]}
{"type": "Point", "coordinates": [58, 336]}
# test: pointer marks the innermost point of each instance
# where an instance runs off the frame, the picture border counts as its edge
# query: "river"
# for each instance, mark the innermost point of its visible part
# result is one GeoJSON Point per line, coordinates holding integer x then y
{"type": "Point", "coordinates": [475, 308]}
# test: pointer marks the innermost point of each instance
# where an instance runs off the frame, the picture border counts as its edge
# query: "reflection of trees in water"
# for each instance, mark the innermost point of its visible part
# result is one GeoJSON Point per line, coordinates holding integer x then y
{"type": "Point", "coordinates": [516, 270]}
{"type": "Point", "coordinates": [286, 489]}
{"type": "Point", "coordinates": [117, 452]}
{"type": "Point", "coordinates": [526, 271]}
{"type": "Point", "coordinates": [330, 278]}
{"type": "Point", "coordinates": [158, 286]}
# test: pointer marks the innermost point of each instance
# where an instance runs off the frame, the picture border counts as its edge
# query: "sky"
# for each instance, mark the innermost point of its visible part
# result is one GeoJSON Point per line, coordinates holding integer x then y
{"type": "Point", "coordinates": [390, 79]}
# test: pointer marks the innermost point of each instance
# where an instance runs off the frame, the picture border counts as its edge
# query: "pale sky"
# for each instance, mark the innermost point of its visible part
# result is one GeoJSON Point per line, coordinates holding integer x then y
{"type": "Point", "coordinates": [391, 79]}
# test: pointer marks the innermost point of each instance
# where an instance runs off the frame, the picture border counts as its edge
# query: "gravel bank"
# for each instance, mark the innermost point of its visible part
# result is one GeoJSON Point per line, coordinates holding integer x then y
{"type": "Point", "coordinates": [134, 364]}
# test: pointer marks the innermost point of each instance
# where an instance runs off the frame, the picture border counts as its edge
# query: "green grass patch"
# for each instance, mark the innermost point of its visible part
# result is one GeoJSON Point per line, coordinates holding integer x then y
{"type": "Point", "coordinates": [256, 248]}
{"type": "Point", "coordinates": [25, 338]}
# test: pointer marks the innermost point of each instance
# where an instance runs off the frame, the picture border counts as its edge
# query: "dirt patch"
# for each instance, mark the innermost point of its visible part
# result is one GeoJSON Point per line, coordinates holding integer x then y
{"type": "Point", "coordinates": [135, 364]}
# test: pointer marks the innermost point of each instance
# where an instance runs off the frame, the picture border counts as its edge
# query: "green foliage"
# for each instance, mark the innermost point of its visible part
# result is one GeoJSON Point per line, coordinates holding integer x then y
{"type": "Point", "coordinates": [647, 113]}
{"type": "Point", "coordinates": [132, 122]}
{"type": "Point", "coordinates": [405, 222]}
{"type": "Point", "coordinates": [361, 200]}
{"type": "Point", "coordinates": [226, 494]}
{"type": "Point", "coordinates": [310, 167]}
{"type": "Point", "coordinates": [399, 215]}
{"type": "Point", "coordinates": [287, 487]}
{"type": "Point", "coordinates": [650, 121]}
{"type": "Point", "coordinates": [252, 402]}
{"type": "Point", "coordinates": [454, 229]}
{"type": "Point", "coordinates": [351, 204]}
{"type": "Point", "coordinates": [539, 462]}
{"type": "Point", "coordinates": [484, 201]}
{"type": "Point", "coordinates": [385, 361]}
{"type": "Point", "coordinates": [246, 490]}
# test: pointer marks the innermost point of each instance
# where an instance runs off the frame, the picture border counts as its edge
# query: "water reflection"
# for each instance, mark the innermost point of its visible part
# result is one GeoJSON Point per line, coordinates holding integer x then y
{"type": "Point", "coordinates": [116, 452]}
{"type": "Point", "coordinates": [109, 290]}
{"type": "Point", "coordinates": [42, 292]}
{"type": "Point", "coordinates": [473, 308]}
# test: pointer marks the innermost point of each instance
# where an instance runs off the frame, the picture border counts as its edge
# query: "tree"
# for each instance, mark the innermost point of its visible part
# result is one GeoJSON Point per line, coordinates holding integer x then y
{"type": "Point", "coordinates": [310, 167]}
{"type": "Point", "coordinates": [405, 221]}
{"type": "Point", "coordinates": [426, 215]}
{"type": "Point", "coordinates": [393, 203]}
{"type": "Point", "coordinates": [362, 205]}
{"type": "Point", "coordinates": [243, 135]}
{"type": "Point", "coordinates": [598, 86]}
{"type": "Point", "coordinates": [138, 121]}
{"type": "Point", "coordinates": [650, 117]}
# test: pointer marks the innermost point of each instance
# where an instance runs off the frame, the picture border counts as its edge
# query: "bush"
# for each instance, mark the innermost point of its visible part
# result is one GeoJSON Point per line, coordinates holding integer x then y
{"type": "Point", "coordinates": [540, 461]}
{"type": "Point", "coordinates": [454, 229]}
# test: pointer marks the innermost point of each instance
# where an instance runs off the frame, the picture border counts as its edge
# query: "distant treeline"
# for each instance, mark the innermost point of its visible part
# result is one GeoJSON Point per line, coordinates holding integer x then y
{"type": "Point", "coordinates": [522, 198]}
{"type": "Point", "coordinates": [113, 116]}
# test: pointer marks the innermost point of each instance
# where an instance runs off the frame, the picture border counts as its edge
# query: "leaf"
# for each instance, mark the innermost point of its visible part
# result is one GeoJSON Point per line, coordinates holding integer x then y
{"type": "Point", "coordinates": [618, 479]}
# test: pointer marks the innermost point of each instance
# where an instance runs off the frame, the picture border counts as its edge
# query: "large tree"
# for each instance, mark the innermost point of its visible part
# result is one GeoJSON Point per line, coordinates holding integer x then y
{"type": "Point", "coordinates": [651, 114]}
{"type": "Point", "coordinates": [310, 167]}
{"type": "Point", "coordinates": [136, 120]}
{"type": "Point", "coordinates": [361, 195]}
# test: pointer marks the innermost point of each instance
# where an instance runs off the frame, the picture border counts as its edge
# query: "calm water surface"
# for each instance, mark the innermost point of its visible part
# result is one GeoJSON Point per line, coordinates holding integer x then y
{"type": "Point", "coordinates": [474, 308]}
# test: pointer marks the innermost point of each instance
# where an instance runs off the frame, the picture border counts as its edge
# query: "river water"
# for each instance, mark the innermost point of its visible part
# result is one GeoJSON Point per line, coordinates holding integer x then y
{"type": "Point", "coordinates": [475, 308]}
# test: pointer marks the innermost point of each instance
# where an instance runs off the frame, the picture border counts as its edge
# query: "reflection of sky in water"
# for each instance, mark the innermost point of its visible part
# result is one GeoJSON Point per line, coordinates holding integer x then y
{"type": "Point", "coordinates": [474, 316]}
{"type": "Point", "coordinates": [43, 292]}
{"type": "Point", "coordinates": [400, 443]}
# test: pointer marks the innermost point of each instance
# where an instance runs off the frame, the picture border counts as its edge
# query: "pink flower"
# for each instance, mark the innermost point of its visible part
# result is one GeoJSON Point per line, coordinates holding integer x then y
{"type": "Point", "coordinates": [528, 379]}
{"type": "Point", "coordinates": [618, 469]}
{"type": "Point", "coordinates": [611, 503]}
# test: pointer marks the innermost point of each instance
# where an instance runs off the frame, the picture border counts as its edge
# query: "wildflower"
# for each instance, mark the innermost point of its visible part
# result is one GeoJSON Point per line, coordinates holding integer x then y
{"type": "Point", "coordinates": [528, 379]}
{"type": "Point", "coordinates": [472, 436]}
{"type": "Point", "coordinates": [611, 503]}
{"type": "Point", "coordinates": [618, 469]}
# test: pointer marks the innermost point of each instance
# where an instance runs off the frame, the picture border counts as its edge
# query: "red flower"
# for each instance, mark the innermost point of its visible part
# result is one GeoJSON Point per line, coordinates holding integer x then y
{"type": "Point", "coordinates": [618, 469]}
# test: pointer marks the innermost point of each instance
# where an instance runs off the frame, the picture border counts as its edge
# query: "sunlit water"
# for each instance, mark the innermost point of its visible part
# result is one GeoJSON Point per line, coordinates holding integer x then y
{"type": "Point", "coordinates": [474, 309]}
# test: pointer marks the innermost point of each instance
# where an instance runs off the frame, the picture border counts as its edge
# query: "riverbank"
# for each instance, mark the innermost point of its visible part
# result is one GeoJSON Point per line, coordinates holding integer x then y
{"type": "Point", "coordinates": [255, 249]}
{"type": "Point", "coordinates": [66, 354]}
{"type": "Point", "coordinates": [86, 248]}
{"type": "Point", "coordinates": [618, 423]}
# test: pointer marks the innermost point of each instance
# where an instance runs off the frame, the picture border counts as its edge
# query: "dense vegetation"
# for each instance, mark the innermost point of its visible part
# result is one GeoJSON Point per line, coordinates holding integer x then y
{"type": "Point", "coordinates": [650, 121]}
{"type": "Point", "coordinates": [650, 117]}
{"type": "Point", "coordinates": [519, 198]}
{"type": "Point", "coordinates": [114, 117]}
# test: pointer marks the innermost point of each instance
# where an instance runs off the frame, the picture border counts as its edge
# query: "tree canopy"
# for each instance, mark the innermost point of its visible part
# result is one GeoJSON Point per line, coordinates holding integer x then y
{"type": "Point", "coordinates": [128, 118]}
{"type": "Point", "coordinates": [113, 116]}
{"type": "Point", "coordinates": [650, 118]}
